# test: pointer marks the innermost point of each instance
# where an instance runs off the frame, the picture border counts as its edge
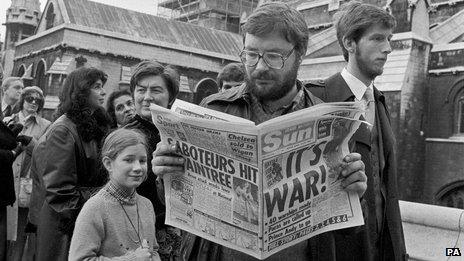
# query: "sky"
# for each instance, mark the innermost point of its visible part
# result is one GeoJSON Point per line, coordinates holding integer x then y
{"type": "Point", "coordinates": [144, 6]}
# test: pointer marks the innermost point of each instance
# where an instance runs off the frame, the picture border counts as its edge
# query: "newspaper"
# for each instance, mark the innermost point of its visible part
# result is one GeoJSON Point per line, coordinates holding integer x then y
{"type": "Point", "coordinates": [260, 188]}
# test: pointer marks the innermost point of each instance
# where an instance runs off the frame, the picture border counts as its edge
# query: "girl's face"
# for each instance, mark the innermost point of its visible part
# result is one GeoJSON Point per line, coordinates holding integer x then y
{"type": "Point", "coordinates": [129, 169]}
{"type": "Point", "coordinates": [97, 94]}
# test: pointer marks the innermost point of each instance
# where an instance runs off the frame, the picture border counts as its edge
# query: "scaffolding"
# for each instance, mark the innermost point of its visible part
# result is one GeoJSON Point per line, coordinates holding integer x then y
{"type": "Point", "coordinates": [219, 14]}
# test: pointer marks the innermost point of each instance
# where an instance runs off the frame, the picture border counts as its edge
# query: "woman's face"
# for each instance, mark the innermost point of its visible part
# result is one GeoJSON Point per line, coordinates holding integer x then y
{"type": "Point", "coordinates": [123, 109]}
{"type": "Point", "coordinates": [97, 94]}
{"type": "Point", "coordinates": [129, 168]}
{"type": "Point", "coordinates": [31, 103]}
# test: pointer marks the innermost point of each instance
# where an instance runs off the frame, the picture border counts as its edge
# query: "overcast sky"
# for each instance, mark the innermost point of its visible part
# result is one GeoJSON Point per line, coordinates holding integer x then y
{"type": "Point", "coordinates": [145, 6]}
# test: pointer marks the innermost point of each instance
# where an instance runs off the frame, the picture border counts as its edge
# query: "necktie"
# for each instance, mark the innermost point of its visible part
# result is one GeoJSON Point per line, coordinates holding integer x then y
{"type": "Point", "coordinates": [7, 111]}
{"type": "Point", "coordinates": [369, 101]}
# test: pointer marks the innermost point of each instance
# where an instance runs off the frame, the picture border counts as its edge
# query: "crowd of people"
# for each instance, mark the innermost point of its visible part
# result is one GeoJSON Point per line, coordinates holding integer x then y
{"type": "Point", "coordinates": [88, 186]}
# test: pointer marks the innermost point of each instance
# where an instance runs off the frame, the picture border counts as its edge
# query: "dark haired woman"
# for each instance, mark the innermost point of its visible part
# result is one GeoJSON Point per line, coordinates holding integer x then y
{"type": "Point", "coordinates": [71, 170]}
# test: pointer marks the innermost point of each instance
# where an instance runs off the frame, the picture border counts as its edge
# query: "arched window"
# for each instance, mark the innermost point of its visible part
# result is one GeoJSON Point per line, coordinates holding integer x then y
{"type": "Point", "coordinates": [40, 75]}
{"type": "Point", "coordinates": [49, 17]}
{"type": "Point", "coordinates": [452, 195]}
{"type": "Point", "coordinates": [21, 70]}
{"type": "Point", "coordinates": [459, 113]}
{"type": "Point", "coordinates": [204, 88]}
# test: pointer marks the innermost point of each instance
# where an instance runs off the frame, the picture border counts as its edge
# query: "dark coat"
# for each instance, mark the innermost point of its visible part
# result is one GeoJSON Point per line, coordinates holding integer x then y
{"type": "Point", "coordinates": [7, 143]}
{"type": "Point", "coordinates": [360, 245]}
{"type": "Point", "coordinates": [71, 174]}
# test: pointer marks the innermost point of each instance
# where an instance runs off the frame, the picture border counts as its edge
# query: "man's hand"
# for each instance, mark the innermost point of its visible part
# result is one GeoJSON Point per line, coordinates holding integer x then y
{"type": "Point", "coordinates": [353, 176]}
{"type": "Point", "coordinates": [166, 160]}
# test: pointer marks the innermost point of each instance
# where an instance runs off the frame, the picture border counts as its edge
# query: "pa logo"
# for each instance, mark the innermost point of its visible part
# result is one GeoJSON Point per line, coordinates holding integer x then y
{"type": "Point", "coordinates": [455, 251]}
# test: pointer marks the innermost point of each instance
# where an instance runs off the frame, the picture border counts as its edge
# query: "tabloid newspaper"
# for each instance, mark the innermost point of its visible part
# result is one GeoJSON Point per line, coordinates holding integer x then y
{"type": "Point", "coordinates": [260, 188]}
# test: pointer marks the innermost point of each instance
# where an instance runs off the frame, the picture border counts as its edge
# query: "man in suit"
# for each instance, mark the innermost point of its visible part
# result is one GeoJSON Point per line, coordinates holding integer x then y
{"type": "Point", "coordinates": [364, 33]}
{"type": "Point", "coordinates": [12, 88]}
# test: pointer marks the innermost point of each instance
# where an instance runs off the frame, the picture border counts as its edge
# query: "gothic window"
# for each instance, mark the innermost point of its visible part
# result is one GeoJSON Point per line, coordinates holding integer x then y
{"type": "Point", "coordinates": [459, 112]}
{"type": "Point", "coordinates": [21, 71]}
{"type": "Point", "coordinates": [50, 17]}
{"type": "Point", "coordinates": [40, 75]}
{"type": "Point", "coordinates": [453, 196]}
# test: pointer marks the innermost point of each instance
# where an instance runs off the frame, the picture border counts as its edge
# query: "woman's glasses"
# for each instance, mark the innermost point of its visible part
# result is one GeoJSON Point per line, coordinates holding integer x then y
{"type": "Point", "coordinates": [31, 99]}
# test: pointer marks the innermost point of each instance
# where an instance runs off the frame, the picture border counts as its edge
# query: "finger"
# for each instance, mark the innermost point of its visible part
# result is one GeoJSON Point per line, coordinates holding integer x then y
{"type": "Point", "coordinates": [352, 157]}
{"type": "Point", "coordinates": [167, 161]}
{"type": "Point", "coordinates": [161, 170]}
{"type": "Point", "coordinates": [358, 187]}
{"type": "Point", "coordinates": [358, 176]}
{"type": "Point", "coordinates": [163, 148]}
{"type": "Point", "coordinates": [352, 167]}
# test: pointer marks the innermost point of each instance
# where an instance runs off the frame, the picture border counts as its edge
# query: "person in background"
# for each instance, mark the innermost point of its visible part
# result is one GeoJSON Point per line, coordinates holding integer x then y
{"type": "Point", "coordinates": [30, 104]}
{"type": "Point", "coordinates": [71, 168]}
{"type": "Point", "coordinates": [154, 83]}
{"type": "Point", "coordinates": [231, 75]}
{"type": "Point", "coordinates": [120, 108]}
{"type": "Point", "coordinates": [9, 150]}
{"type": "Point", "coordinates": [117, 223]}
{"type": "Point", "coordinates": [364, 33]}
{"type": "Point", "coordinates": [11, 90]}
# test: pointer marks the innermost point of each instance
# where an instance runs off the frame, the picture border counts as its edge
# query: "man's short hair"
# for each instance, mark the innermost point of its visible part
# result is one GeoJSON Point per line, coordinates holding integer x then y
{"type": "Point", "coordinates": [233, 72]}
{"type": "Point", "coordinates": [355, 18]}
{"type": "Point", "coordinates": [8, 81]}
{"type": "Point", "coordinates": [169, 75]}
{"type": "Point", "coordinates": [279, 17]}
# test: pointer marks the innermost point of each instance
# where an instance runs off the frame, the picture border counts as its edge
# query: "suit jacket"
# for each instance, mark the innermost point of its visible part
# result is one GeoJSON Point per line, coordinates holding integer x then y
{"type": "Point", "coordinates": [361, 245]}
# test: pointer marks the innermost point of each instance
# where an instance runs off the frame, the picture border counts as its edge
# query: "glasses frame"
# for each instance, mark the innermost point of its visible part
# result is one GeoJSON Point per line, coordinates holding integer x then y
{"type": "Point", "coordinates": [261, 56]}
{"type": "Point", "coordinates": [33, 99]}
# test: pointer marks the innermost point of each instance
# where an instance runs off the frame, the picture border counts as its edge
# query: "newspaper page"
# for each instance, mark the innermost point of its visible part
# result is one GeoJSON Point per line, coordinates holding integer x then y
{"type": "Point", "coordinates": [259, 189]}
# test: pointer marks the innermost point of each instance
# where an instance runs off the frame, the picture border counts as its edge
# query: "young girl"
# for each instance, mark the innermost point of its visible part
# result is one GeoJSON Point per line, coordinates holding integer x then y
{"type": "Point", "coordinates": [117, 223]}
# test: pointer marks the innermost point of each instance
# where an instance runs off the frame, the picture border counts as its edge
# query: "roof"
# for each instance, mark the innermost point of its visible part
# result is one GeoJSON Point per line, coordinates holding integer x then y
{"type": "Point", "coordinates": [392, 79]}
{"type": "Point", "coordinates": [139, 25]}
{"type": "Point", "coordinates": [448, 30]}
{"type": "Point", "coordinates": [321, 40]}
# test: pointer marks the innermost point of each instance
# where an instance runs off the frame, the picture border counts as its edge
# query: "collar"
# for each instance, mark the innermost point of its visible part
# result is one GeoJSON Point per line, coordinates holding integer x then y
{"type": "Point", "coordinates": [23, 119]}
{"type": "Point", "coordinates": [357, 87]}
{"type": "Point", "coordinates": [120, 194]}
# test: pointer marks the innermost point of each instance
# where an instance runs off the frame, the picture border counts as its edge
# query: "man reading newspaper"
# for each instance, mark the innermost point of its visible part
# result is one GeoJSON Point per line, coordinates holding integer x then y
{"type": "Point", "coordinates": [275, 40]}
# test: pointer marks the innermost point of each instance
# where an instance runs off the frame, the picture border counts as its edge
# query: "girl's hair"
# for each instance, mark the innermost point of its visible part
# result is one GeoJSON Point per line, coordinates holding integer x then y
{"type": "Point", "coordinates": [120, 139]}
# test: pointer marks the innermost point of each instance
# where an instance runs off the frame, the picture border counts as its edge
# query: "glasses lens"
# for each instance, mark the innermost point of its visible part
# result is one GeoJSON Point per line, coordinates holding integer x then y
{"type": "Point", "coordinates": [30, 99]}
{"type": "Point", "coordinates": [249, 58]}
{"type": "Point", "coordinates": [274, 60]}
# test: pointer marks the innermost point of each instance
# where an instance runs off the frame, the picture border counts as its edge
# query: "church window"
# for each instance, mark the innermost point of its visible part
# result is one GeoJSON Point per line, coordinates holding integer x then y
{"type": "Point", "coordinates": [50, 17]}
{"type": "Point", "coordinates": [459, 112]}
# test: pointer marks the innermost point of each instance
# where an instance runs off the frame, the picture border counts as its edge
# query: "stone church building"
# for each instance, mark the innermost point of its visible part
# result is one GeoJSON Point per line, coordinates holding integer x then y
{"type": "Point", "coordinates": [74, 33]}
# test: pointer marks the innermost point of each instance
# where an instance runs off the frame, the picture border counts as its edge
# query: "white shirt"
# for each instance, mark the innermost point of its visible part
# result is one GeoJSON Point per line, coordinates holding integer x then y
{"type": "Point", "coordinates": [358, 88]}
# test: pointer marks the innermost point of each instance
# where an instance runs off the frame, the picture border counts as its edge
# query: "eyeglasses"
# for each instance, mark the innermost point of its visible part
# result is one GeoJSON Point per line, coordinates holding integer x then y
{"type": "Point", "coordinates": [31, 99]}
{"type": "Point", "coordinates": [272, 59]}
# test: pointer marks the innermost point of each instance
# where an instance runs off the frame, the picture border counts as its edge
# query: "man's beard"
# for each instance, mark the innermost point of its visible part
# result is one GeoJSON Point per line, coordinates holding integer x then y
{"type": "Point", "coordinates": [279, 89]}
{"type": "Point", "coordinates": [364, 68]}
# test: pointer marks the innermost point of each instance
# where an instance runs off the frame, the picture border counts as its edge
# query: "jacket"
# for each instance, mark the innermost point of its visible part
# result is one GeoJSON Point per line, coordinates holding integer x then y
{"type": "Point", "coordinates": [7, 143]}
{"type": "Point", "coordinates": [391, 244]}
{"type": "Point", "coordinates": [71, 174]}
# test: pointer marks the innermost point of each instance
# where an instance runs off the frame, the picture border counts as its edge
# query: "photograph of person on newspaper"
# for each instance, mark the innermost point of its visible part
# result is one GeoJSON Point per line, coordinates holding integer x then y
{"type": "Point", "coordinates": [245, 201]}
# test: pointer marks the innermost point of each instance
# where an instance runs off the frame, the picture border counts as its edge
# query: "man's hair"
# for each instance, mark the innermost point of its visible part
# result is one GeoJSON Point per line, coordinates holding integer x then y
{"type": "Point", "coordinates": [231, 72]}
{"type": "Point", "coordinates": [110, 105]}
{"type": "Point", "coordinates": [169, 75]}
{"type": "Point", "coordinates": [281, 18]}
{"type": "Point", "coordinates": [8, 81]}
{"type": "Point", "coordinates": [355, 18]}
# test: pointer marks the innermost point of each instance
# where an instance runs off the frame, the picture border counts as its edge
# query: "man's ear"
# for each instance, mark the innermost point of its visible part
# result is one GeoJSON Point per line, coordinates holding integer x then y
{"type": "Point", "coordinates": [349, 44]}
{"type": "Point", "coordinates": [107, 163]}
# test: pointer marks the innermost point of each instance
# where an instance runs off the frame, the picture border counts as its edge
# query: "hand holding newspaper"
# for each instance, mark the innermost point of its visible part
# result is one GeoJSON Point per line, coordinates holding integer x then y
{"type": "Point", "coordinates": [260, 189]}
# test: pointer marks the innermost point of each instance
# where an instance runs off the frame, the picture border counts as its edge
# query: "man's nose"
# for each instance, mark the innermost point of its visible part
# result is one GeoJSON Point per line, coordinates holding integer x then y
{"type": "Point", "coordinates": [261, 65]}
